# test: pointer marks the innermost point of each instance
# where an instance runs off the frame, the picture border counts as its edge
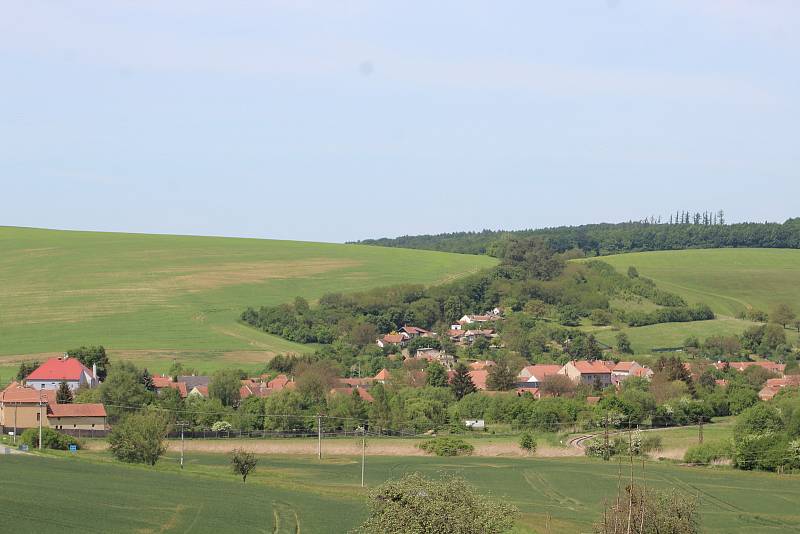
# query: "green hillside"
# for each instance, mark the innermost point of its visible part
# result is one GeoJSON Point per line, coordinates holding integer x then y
{"type": "Point", "coordinates": [297, 494]}
{"type": "Point", "coordinates": [159, 297]}
{"type": "Point", "coordinates": [728, 280]}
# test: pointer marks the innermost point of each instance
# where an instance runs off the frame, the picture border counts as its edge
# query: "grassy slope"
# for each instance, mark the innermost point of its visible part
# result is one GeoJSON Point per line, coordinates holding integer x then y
{"type": "Point", "coordinates": [325, 497]}
{"type": "Point", "coordinates": [60, 289]}
{"type": "Point", "coordinates": [728, 280]}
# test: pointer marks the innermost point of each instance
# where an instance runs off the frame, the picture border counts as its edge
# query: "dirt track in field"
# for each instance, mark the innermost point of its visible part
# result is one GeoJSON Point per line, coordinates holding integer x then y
{"type": "Point", "coordinates": [340, 447]}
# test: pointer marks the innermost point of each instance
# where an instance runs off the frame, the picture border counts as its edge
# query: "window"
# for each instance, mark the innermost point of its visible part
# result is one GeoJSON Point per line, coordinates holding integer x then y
{"type": "Point", "coordinates": [37, 416]}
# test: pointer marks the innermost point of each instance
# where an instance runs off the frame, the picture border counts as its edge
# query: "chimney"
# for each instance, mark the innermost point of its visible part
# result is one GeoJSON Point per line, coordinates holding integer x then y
{"type": "Point", "coordinates": [94, 370]}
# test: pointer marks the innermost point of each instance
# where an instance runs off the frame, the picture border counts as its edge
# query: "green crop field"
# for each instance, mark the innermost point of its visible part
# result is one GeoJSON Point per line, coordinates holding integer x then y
{"type": "Point", "coordinates": [157, 297]}
{"type": "Point", "coordinates": [295, 494]}
{"type": "Point", "coordinates": [728, 280]}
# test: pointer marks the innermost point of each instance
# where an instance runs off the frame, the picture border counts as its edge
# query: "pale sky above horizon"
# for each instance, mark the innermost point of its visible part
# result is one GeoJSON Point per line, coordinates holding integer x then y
{"type": "Point", "coordinates": [334, 121]}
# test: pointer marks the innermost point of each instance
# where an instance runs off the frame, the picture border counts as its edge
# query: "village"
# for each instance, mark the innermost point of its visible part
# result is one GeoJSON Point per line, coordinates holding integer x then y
{"type": "Point", "coordinates": [34, 402]}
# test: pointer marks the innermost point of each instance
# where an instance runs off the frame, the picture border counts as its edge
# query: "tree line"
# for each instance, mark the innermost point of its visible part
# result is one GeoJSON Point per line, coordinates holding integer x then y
{"type": "Point", "coordinates": [683, 230]}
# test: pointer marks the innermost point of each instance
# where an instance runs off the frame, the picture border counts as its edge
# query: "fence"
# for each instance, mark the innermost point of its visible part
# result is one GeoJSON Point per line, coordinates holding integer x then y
{"type": "Point", "coordinates": [262, 434]}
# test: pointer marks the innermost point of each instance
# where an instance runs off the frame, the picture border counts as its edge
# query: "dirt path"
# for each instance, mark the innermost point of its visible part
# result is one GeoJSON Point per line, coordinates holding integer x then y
{"type": "Point", "coordinates": [341, 447]}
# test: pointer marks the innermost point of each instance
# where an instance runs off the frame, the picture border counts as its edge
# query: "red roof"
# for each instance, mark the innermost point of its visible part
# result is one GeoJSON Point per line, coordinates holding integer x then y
{"type": "Point", "coordinates": [479, 378]}
{"type": "Point", "coordinates": [383, 374]}
{"type": "Point", "coordinates": [624, 366]}
{"type": "Point", "coordinates": [591, 368]}
{"type": "Point", "coordinates": [542, 370]}
{"type": "Point", "coordinates": [278, 383]}
{"type": "Point", "coordinates": [77, 410]}
{"type": "Point", "coordinates": [58, 369]}
{"type": "Point", "coordinates": [17, 393]}
{"type": "Point", "coordinates": [479, 365]}
{"type": "Point", "coordinates": [741, 366]}
{"type": "Point", "coordinates": [414, 330]}
{"type": "Point", "coordinates": [393, 338]}
{"type": "Point", "coordinates": [161, 381]}
{"type": "Point", "coordinates": [202, 390]}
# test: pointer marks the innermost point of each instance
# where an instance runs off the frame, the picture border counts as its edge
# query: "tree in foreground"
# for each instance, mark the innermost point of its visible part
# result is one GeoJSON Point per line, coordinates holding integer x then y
{"type": "Point", "coordinates": [415, 504]}
{"type": "Point", "coordinates": [462, 384]}
{"type": "Point", "coordinates": [63, 393]}
{"type": "Point", "coordinates": [243, 462]}
{"type": "Point", "coordinates": [139, 438]}
{"type": "Point", "coordinates": [638, 510]}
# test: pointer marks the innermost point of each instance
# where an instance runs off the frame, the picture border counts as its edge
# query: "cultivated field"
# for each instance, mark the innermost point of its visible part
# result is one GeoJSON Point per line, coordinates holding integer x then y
{"type": "Point", "coordinates": [155, 298]}
{"type": "Point", "coordinates": [289, 494]}
{"type": "Point", "coordinates": [728, 280]}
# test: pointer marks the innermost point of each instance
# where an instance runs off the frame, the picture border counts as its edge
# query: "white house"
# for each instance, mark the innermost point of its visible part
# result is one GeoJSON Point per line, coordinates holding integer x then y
{"type": "Point", "coordinates": [65, 369]}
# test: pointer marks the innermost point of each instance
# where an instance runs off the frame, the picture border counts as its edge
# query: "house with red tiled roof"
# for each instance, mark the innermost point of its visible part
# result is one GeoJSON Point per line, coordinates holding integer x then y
{"type": "Point", "coordinates": [395, 338]}
{"type": "Point", "coordinates": [199, 391]}
{"type": "Point", "coordinates": [623, 370]}
{"type": "Point", "coordinates": [532, 376]}
{"type": "Point", "coordinates": [474, 319]}
{"type": "Point", "coordinates": [479, 378]}
{"type": "Point", "coordinates": [589, 373]}
{"type": "Point", "coordinates": [776, 368]}
{"type": "Point", "coordinates": [77, 416]}
{"type": "Point", "coordinates": [774, 385]}
{"type": "Point", "coordinates": [280, 382]}
{"type": "Point", "coordinates": [382, 376]}
{"type": "Point", "coordinates": [470, 336]}
{"type": "Point", "coordinates": [23, 407]}
{"type": "Point", "coordinates": [481, 364]}
{"type": "Point", "coordinates": [65, 369]}
{"type": "Point", "coordinates": [413, 331]}
{"type": "Point", "coordinates": [162, 382]}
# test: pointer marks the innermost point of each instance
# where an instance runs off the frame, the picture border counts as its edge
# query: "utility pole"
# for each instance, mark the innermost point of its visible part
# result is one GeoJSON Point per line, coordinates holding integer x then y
{"type": "Point", "coordinates": [40, 421]}
{"type": "Point", "coordinates": [182, 424]}
{"type": "Point", "coordinates": [606, 452]}
{"type": "Point", "coordinates": [363, 452]}
{"type": "Point", "coordinates": [15, 422]}
{"type": "Point", "coordinates": [319, 437]}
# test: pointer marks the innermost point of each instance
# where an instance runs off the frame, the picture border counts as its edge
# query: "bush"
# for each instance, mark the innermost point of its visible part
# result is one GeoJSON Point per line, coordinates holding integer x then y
{"type": "Point", "coordinates": [640, 510]}
{"type": "Point", "coordinates": [446, 506]}
{"type": "Point", "coordinates": [707, 453]}
{"type": "Point", "coordinates": [527, 442]}
{"type": "Point", "coordinates": [447, 447]}
{"type": "Point", "coordinates": [651, 443]}
{"type": "Point", "coordinates": [50, 439]}
{"type": "Point", "coordinates": [139, 438]}
{"type": "Point", "coordinates": [221, 426]}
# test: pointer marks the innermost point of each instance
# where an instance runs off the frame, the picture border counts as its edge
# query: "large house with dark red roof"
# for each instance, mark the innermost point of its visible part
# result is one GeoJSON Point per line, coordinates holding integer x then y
{"type": "Point", "coordinates": [65, 369]}
{"type": "Point", "coordinates": [589, 373]}
{"type": "Point", "coordinates": [23, 407]}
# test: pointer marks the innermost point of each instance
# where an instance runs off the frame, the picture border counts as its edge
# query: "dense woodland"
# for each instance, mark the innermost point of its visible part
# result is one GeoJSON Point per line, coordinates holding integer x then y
{"type": "Point", "coordinates": [681, 230]}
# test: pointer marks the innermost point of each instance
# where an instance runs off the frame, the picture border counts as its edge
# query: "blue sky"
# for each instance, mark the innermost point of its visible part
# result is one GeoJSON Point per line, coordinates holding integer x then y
{"type": "Point", "coordinates": [334, 121]}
